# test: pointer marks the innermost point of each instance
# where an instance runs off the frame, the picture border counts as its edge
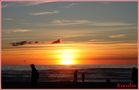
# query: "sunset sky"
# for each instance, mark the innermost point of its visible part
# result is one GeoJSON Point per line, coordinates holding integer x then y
{"type": "Point", "coordinates": [91, 32]}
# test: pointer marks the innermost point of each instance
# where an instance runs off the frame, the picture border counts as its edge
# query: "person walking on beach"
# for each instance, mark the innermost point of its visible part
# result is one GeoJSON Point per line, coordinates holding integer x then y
{"type": "Point", "coordinates": [76, 76]}
{"type": "Point", "coordinates": [34, 76]}
{"type": "Point", "coordinates": [83, 76]}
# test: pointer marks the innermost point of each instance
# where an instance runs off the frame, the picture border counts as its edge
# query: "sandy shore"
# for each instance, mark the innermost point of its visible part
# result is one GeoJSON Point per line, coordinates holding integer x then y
{"type": "Point", "coordinates": [65, 85]}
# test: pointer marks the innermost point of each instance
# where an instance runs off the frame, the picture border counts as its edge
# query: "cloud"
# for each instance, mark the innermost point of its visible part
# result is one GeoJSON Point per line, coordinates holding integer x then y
{"type": "Point", "coordinates": [21, 30]}
{"type": "Point", "coordinates": [118, 36]}
{"type": "Point", "coordinates": [69, 22]}
{"type": "Point", "coordinates": [26, 3]}
{"type": "Point", "coordinates": [110, 24]}
{"type": "Point", "coordinates": [35, 2]}
{"type": "Point", "coordinates": [113, 43]}
{"type": "Point", "coordinates": [10, 31]}
{"type": "Point", "coordinates": [65, 22]}
{"type": "Point", "coordinates": [23, 43]}
{"type": "Point", "coordinates": [44, 13]}
{"type": "Point", "coordinates": [105, 2]}
{"type": "Point", "coordinates": [56, 41]}
{"type": "Point", "coordinates": [20, 43]}
{"type": "Point", "coordinates": [8, 19]}
{"type": "Point", "coordinates": [71, 5]}
{"type": "Point", "coordinates": [102, 42]}
{"type": "Point", "coordinates": [30, 3]}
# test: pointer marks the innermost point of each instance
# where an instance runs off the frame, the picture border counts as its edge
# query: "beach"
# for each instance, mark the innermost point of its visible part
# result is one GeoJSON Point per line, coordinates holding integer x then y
{"type": "Point", "coordinates": [63, 78]}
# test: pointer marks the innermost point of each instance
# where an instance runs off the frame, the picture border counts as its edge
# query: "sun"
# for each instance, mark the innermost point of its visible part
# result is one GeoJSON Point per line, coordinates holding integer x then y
{"type": "Point", "coordinates": [67, 62]}
{"type": "Point", "coordinates": [67, 57]}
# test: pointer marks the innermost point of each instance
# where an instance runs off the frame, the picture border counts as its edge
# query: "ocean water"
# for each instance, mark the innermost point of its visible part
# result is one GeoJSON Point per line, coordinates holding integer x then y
{"type": "Point", "coordinates": [62, 73]}
{"type": "Point", "coordinates": [46, 67]}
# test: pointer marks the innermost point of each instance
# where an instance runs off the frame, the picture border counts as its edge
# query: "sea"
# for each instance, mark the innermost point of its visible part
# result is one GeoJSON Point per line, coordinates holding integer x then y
{"type": "Point", "coordinates": [65, 73]}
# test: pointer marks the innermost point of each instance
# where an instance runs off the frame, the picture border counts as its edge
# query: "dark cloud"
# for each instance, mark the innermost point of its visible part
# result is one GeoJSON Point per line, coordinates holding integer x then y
{"type": "Point", "coordinates": [56, 41]}
{"type": "Point", "coordinates": [34, 42]}
{"type": "Point", "coordinates": [23, 43]}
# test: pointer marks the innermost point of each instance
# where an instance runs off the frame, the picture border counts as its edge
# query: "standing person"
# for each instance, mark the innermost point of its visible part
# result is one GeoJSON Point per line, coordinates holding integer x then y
{"type": "Point", "coordinates": [76, 76]}
{"type": "Point", "coordinates": [135, 75]}
{"type": "Point", "coordinates": [34, 76]}
{"type": "Point", "coordinates": [83, 76]}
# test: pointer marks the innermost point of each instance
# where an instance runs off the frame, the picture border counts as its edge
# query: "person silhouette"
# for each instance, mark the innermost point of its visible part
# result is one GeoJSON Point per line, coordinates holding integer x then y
{"type": "Point", "coordinates": [135, 75]}
{"type": "Point", "coordinates": [83, 76]}
{"type": "Point", "coordinates": [108, 80]}
{"type": "Point", "coordinates": [75, 76]}
{"type": "Point", "coordinates": [34, 76]}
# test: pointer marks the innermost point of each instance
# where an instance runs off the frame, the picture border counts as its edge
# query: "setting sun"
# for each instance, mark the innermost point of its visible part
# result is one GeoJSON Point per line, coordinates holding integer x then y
{"type": "Point", "coordinates": [67, 57]}
{"type": "Point", "coordinates": [67, 62]}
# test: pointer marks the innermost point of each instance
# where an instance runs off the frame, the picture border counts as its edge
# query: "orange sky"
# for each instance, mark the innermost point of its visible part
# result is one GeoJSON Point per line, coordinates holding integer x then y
{"type": "Point", "coordinates": [92, 33]}
{"type": "Point", "coordinates": [74, 53]}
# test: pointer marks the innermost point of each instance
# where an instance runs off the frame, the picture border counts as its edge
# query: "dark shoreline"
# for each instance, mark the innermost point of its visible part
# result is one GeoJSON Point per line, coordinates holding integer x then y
{"type": "Point", "coordinates": [106, 78]}
{"type": "Point", "coordinates": [69, 85]}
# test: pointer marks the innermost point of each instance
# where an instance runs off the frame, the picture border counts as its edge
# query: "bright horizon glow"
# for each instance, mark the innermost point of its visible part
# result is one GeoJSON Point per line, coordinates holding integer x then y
{"type": "Point", "coordinates": [67, 56]}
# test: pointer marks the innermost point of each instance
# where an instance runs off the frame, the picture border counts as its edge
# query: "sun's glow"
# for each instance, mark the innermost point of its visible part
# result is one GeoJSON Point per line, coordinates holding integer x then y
{"type": "Point", "coordinates": [67, 57]}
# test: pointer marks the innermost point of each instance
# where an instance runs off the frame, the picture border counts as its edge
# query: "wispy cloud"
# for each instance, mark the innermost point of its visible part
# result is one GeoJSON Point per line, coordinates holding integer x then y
{"type": "Point", "coordinates": [27, 3]}
{"type": "Point", "coordinates": [8, 19]}
{"type": "Point", "coordinates": [102, 42]}
{"type": "Point", "coordinates": [71, 5]}
{"type": "Point", "coordinates": [44, 13]}
{"type": "Point", "coordinates": [35, 2]}
{"type": "Point", "coordinates": [118, 36]}
{"type": "Point", "coordinates": [69, 22]}
{"type": "Point", "coordinates": [21, 30]}
{"type": "Point", "coordinates": [66, 22]}
{"type": "Point", "coordinates": [105, 2]}
{"type": "Point", "coordinates": [110, 24]}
